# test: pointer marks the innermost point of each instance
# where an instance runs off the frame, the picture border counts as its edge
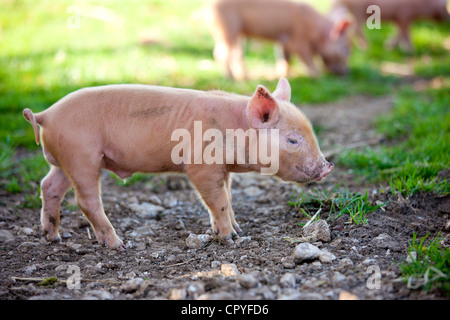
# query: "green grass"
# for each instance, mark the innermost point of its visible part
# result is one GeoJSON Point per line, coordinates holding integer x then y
{"type": "Point", "coordinates": [428, 267]}
{"type": "Point", "coordinates": [418, 133]}
{"type": "Point", "coordinates": [42, 59]}
{"type": "Point", "coordinates": [162, 42]}
{"type": "Point", "coordinates": [340, 201]}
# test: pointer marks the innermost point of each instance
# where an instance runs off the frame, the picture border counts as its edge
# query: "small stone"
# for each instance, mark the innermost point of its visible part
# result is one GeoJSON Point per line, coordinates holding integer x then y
{"type": "Point", "coordinates": [196, 241]}
{"type": "Point", "coordinates": [290, 294]}
{"type": "Point", "coordinates": [98, 295]}
{"type": "Point", "coordinates": [247, 281]}
{"type": "Point", "coordinates": [229, 269]}
{"type": "Point", "coordinates": [385, 241]}
{"type": "Point", "coordinates": [369, 261]}
{"type": "Point", "coordinates": [216, 264]}
{"type": "Point", "coordinates": [6, 236]}
{"type": "Point", "coordinates": [305, 252]}
{"type": "Point", "coordinates": [319, 230]}
{"type": "Point", "coordinates": [132, 285]}
{"type": "Point", "coordinates": [217, 296]}
{"type": "Point", "coordinates": [141, 246]}
{"type": "Point", "coordinates": [177, 294]}
{"type": "Point", "coordinates": [241, 240]}
{"type": "Point", "coordinates": [327, 257]}
{"type": "Point", "coordinates": [288, 263]}
{"type": "Point", "coordinates": [179, 225]}
{"type": "Point", "coordinates": [338, 277]}
{"type": "Point", "coordinates": [253, 191]}
{"type": "Point", "coordinates": [146, 210]}
{"type": "Point", "coordinates": [412, 257]}
{"type": "Point", "coordinates": [195, 289]}
{"type": "Point", "coordinates": [27, 231]}
{"type": "Point", "coordinates": [30, 269]}
{"type": "Point", "coordinates": [155, 200]}
{"type": "Point", "coordinates": [345, 264]}
{"type": "Point", "coordinates": [288, 280]}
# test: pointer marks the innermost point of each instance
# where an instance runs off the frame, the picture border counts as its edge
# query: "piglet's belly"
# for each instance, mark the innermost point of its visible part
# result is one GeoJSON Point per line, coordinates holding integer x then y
{"type": "Point", "coordinates": [125, 170]}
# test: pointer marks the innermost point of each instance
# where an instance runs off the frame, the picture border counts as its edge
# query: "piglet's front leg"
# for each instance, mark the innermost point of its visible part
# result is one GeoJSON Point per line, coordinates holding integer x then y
{"type": "Point", "coordinates": [212, 188]}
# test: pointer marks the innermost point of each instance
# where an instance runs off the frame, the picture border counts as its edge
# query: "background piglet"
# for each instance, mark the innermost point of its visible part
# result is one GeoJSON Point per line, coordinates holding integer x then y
{"type": "Point", "coordinates": [298, 28]}
{"type": "Point", "coordinates": [401, 12]}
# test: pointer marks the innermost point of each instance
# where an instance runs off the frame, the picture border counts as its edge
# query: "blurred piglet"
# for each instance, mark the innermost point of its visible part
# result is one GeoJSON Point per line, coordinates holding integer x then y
{"type": "Point", "coordinates": [297, 27]}
{"type": "Point", "coordinates": [401, 12]}
{"type": "Point", "coordinates": [207, 135]}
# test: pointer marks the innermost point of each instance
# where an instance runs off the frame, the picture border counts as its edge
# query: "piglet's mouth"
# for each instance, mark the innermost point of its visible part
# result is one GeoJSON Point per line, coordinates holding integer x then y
{"type": "Point", "coordinates": [317, 175]}
{"type": "Point", "coordinates": [325, 172]}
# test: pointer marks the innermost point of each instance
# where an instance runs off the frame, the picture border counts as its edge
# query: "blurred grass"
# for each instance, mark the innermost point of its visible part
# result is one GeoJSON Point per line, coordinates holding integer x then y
{"type": "Point", "coordinates": [43, 57]}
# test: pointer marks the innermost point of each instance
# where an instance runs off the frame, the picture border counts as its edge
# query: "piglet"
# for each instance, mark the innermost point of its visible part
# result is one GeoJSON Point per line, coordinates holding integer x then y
{"type": "Point", "coordinates": [207, 135]}
{"type": "Point", "coordinates": [401, 12]}
{"type": "Point", "coordinates": [297, 27]}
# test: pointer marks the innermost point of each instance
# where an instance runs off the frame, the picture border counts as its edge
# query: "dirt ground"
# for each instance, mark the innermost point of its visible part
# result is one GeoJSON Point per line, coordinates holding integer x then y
{"type": "Point", "coordinates": [162, 223]}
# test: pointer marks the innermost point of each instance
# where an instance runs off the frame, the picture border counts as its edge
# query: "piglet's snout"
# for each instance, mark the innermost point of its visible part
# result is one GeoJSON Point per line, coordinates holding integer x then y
{"type": "Point", "coordinates": [326, 169]}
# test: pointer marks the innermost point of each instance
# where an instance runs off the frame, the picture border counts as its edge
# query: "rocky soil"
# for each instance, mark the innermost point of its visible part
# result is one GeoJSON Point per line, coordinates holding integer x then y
{"type": "Point", "coordinates": [171, 254]}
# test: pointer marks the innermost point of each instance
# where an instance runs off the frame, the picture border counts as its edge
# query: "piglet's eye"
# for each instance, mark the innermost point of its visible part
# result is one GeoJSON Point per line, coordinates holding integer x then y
{"type": "Point", "coordinates": [292, 141]}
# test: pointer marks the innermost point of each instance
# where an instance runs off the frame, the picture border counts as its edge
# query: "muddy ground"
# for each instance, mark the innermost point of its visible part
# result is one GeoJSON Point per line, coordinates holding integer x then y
{"type": "Point", "coordinates": [161, 219]}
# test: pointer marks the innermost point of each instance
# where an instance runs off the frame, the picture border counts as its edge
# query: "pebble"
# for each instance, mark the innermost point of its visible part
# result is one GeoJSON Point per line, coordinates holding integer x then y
{"type": "Point", "coordinates": [412, 257]}
{"type": "Point", "coordinates": [27, 231]}
{"type": "Point", "coordinates": [217, 296]}
{"type": "Point", "coordinates": [327, 257]}
{"type": "Point", "coordinates": [196, 241]}
{"type": "Point", "coordinates": [247, 281]}
{"type": "Point", "coordinates": [345, 264]}
{"type": "Point", "coordinates": [288, 280]}
{"type": "Point", "coordinates": [98, 295]}
{"type": "Point", "coordinates": [229, 269]}
{"type": "Point", "coordinates": [242, 240]}
{"type": "Point", "coordinates": [385, 241]}
{"type": "Point", "coordinates": [305, 252]}
{"type": "Point", "coordinates": [319, 230]}
{"type": "Point", "coordinates": [146, 209]}
{"type": "Point", "coordinates": [155, 200]}
{"type": "Point", "coordinates": [131, 285]}
{"type": "Point", "coordinates": [253, 191]}
{"type": "Point", "coordinates": [30, 269]}
{"type": "Point", "coordinates": [369, 261]}
{"type": "Point", "coordinates": [288, 263]}
{"type": "Point", "coordinates": [177, 294]}
{"type": "Point", "coordinates": [179, 225]}
{"type": "Point", "coordinates": [6, 236]}
{"type": "Point", "coordinates": [195, 289]}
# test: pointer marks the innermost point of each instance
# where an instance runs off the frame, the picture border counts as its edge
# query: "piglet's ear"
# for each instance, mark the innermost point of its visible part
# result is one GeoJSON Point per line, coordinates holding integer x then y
{"type": "Point", "coordinates": [283, 90]}
{"type": "Point", "coordinates": [262, 109]}
{"type": "Point", "coordinates": [339, 29]}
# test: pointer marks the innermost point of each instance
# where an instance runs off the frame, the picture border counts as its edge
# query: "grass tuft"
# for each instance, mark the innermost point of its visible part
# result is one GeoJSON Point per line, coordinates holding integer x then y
{"type": "Point", "coordinates": [427, 266]}
{"type": "Point", "coordinates": [339, 202]}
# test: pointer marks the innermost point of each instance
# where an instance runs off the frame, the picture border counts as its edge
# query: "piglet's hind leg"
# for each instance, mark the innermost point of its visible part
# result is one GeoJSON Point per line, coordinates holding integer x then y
{"type": "Point", "coordinates": [53, 188]}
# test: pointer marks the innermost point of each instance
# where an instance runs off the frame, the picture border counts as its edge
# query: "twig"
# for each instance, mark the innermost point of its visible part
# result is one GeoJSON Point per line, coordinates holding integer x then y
{"type": "Point", "coordinates": [63, 281]}
{"type": "Point", "coordinates": [179, 263]}
{"type": "Point", "coordinates": [312, 219]}
{"type": "Point", "coordinates": [353, 145]}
